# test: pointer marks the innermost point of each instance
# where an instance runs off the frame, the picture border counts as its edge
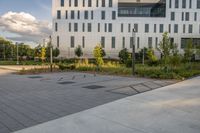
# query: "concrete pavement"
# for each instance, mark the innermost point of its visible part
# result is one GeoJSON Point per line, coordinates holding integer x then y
{"type": "Point", "coordinates": [171, 109]}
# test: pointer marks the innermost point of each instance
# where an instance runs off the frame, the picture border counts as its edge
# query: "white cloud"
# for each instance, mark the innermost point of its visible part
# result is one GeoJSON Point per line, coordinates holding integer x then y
{"type": "Point", "coordinates": [26, 26]}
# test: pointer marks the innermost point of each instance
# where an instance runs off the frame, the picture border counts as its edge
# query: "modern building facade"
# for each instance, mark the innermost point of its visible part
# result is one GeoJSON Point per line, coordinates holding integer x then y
{"type": "Point", "coordinates": [110, 23]}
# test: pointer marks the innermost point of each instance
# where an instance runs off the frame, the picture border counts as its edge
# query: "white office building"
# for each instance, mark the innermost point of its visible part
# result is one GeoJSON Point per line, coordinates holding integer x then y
{"type": "Point", "coordinates": [110, 22]}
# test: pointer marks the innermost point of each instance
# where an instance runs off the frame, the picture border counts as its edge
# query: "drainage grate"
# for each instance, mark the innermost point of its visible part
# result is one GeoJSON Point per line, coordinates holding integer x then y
{"type": "Point", "coordinates": [66, 82]}
{"type": "Point", "coordinates": [94, 87]}
{"type": "Point", "coordinates": [35, 77]}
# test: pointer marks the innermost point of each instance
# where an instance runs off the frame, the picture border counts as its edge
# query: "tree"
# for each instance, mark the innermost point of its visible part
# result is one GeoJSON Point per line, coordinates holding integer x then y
{"type": "Point", "coordinates": [103, 52]}
{"type": "Point", "coordinates": [123, 55]}
{"type": "Point", "coordinates": [78, 51]}
{"type": "Point", "coordinates": [37, 51]}
{"type": "Point", "coordinates": [188, 50]}
{"type": "Point", "coordinates": [165, 47]}
{"type": "Point", "coordinates": [153, 60]}
{"type": "Point", "coordinates": [56, 52]}
{"type": "Point", "coordinates": [97, 53]}
{"type": "Point", "coordinates": [43, 54]}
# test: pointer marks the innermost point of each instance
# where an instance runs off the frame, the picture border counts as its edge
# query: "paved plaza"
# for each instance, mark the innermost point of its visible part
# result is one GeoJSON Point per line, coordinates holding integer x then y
{"type": "Point", "coordinates": [171, 109]}
{"type": "Point", "coordinates": [28, 100]}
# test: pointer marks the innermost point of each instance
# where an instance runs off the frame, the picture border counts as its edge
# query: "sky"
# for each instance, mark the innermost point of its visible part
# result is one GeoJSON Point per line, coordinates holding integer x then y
{"type": "Point", "coordinates": [26, 21]}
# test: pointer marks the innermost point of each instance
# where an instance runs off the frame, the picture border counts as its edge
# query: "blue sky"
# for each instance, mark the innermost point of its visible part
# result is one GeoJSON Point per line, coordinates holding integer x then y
{"type": "Point", "coordinates": [36, 14]}
{"type": "Point", "coordinates": [41, 9]}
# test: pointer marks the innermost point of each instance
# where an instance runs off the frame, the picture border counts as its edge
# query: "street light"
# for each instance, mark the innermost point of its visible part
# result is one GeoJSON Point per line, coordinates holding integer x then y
{"type": "Point", "coordinates": [51, 58]}
{"type": "Point", "coordinates": [17, 53]}
{"type": "Point", "coordinates": [133, 51]}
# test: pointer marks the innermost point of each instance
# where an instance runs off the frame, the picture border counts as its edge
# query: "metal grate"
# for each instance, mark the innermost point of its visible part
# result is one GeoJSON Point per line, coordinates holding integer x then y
{"type": "Point", "coordinates": [94, 87]}
{"type": "Point", "coordinates": [35, 77]}
{"type": "Point", "coordinates": [66, 82]}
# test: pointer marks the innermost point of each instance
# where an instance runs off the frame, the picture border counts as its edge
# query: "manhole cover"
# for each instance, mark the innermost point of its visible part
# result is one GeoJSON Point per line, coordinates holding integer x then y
{"type": "Point", "coordinates": [35, 77]}
{"type": "Point", "coordinates": [94, 87]}
{"type": "Point", "coordinates": [66, 82]}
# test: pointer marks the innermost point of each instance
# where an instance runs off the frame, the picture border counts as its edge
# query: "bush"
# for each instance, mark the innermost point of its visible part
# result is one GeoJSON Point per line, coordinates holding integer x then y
{"type": "Point", "coordinates": [66, 66]}
{"type": "Point", "coordinates": [124, 55]}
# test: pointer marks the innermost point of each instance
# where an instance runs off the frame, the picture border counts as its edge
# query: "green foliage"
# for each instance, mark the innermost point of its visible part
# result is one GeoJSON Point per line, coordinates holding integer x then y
{"type": "Point", "coordinates": [165, 47]}
{"type": "Point", "coordinates": [97, 53]}
{"type": "Point", "coordinates": [188, 51]}
{"type": "Point", "coordinates": [124, 55]}
{"type": "Point", "coordinates": [56, 52]}
{"type": "Point", "coordinates": [43, 54]}
{"type": "Point", "coordinates": [78, 51]}
{"type": "Point", "coordinates": [152, 59]}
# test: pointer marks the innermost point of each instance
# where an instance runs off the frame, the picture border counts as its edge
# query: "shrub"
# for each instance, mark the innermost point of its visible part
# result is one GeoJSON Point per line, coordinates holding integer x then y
{"type": "Point", "coordinates": [97, 52]}
{"type": "Point", "coordinates": [124, 55]}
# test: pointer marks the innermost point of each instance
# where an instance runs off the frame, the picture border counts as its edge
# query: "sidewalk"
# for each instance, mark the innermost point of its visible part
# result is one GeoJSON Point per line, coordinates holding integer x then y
{"type": "Point", "coordinates": [171, 109]}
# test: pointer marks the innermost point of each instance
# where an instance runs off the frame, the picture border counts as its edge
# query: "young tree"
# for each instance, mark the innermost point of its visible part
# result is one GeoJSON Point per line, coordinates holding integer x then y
{"type": "Point", "coordinates": [56, 52]}
{"type": "Point", "coordinates": [43, 54]}
{"type": "Point", "coordinates": [97, 53]}
{"type": "Point", "coordinates": [165, 47]}
{"type": "Point", "coordinates": [153, 60]}
{"type": "Point", "coordinates": [188, 50]}
{"type": "Point", "coordinates": [123, 55]}
{"type": "Point", "coordinates": [78, 51]}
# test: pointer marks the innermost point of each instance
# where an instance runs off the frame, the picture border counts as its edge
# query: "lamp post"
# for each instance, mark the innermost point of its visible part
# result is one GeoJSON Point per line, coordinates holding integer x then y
{"type": "Point", "coordinates": [51, 54]}
{"type": "Point", "coordinates": [17, 53]}
{"type": "Point", "coordinates": [143, 56]}
{"type": "Point", "coordinates": [133, 51]}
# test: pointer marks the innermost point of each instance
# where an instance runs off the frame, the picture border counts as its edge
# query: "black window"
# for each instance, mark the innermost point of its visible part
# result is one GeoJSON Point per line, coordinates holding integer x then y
{"type": "Point", "coordinates": [155, 28]}
{"type": "Point", "coordinates": [172, 16]}
{"type": "Point", "coordinates": [109, 27]}
{"type": "Point", "coordinates": [78, 15]}
{"type": "Point", "coordinates": [161, 28]}
{"type": "Point", "coordinates": [175, 28]}
{"type": "Point", "coordinates": [195, 16]}
{"type": "Point", "coordinates": [103, 42]}
{"type": "Point", "coordinates": [83, 42]}
{"type": "Point", "coordinates": [129, 27]}
{"type": "Point", "coordinates": [92, 15]}
{"type": "Point", "coordinates": [70, 27]}
{"type": "Point", "coordinates": [58, 41]}
{"type": "Point", "coordinates": [99, 28]}
{"type": "Point", "coordinates": [183, 3]}
{"type": "Point", "coordinates": [113, 42]}
{"type": "Point", "coordinates": [122, 27]}
{"type": "Point", "coordinates": [105, 27]}
{"type": "Point", "coordinates": [83, 27]}
{"type": "Point", "coordinates": [131, 42]}
{"type": "Point", "coordinates": [170, 3]}
{"type": "Point", "coordinates": [182, 16]}
{"type": "Point", "coordinates": [190, 4]}
{"type": "Point", "coordinates": [136, 27]}
{"type": "Point", "coordinates": [59, 14]}
{"type": "Point", "coordinates": [103, 15]}
{"type": "Point", "coordinates": [75, 3]}
{"type": "Point", "coordinates": [198, 4]}
{"type": "Point", "coordinates": [89, 3]}
{"type": "Point", "coordinates": [169, 28]}
{"type": "Point", "coordinates": [156, 42]}
{"type": "Point", "coordinates": [183, 28]}
{"type": "Point", "coordinates": [89, 27]}
{"type": "Point", "coordinates": [62, 3]}
{"type": "Point", "coordinates": [110, 3]}
{"type": "Point", "coordinates": [97, 3]}
{"type": "Point", "coordinates": [70, 3]}
{"type": "Point", "coordinates": [113, 15]}
{"type": "Point", "coordinates": [103, 3]}
{"type": "Point", "coordinates": [66, 14]}
{"type": "Point", "coordinates": [123, 42]}
{"type": "Point", "coordinates": [72, 14]}
{"type": "Point", "coordinates": [176, 3]}
{"type": "Point", "coordinates": [83, 3]}
{"type": "Point", "coordinates": [86, 14]}
{"type": "Point", "coordinates": [72, 41]}
{"type": "Point", "coordinates": [146, 28]}
{"type": "Point", "coordinates": [75, 27]}
{"type": "Point", "coordinates": [56, 26]}
{"type": "Point", "coordinates": [190, 28]}
{"type": "Point", "coordinates": [150, 42]}
{"type": "Point", "coordinates": [187, 16]}
{"type": "Point", "coordinates": [138, 42]}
